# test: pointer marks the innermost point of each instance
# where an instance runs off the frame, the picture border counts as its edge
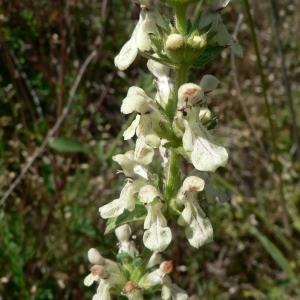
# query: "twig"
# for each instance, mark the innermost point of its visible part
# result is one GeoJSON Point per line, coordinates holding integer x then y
{"type": "Point", "coordinates": [32, 92]}
{"type": "Point", "coordinates": [54, 128]}
{"type": "Point", "coordinates": [98, 106]}
{"type": "Point", "coordinates": [271, 124]}
{"type": "Point", "coordinates": [238, 89]}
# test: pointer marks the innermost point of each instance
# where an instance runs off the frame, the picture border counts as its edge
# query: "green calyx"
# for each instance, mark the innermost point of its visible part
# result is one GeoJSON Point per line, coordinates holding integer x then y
{"type": "Point", "coordinates": [180, 49]}
{"type": "Point", "coordinates": [175, 46]}
{"type": "Point", "coordinates": [195, 45]}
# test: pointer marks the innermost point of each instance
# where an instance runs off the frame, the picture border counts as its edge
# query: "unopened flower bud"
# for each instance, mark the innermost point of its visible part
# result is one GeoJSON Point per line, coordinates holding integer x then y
{"type": "Point", "coordinates": [175, 47]}
{"type": "Point", "coordinates": [194, 47]}
{"type": "Point", "coordinates": [205, 115]}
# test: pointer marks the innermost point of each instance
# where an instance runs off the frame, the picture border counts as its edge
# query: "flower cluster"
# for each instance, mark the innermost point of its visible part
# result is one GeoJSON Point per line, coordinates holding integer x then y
{"type": "Point", "coordinates": [205, 154]}
{"type": "Point", "coordinates": [178, 123]}
{"type": "Point", "coordinates": [121, 277]}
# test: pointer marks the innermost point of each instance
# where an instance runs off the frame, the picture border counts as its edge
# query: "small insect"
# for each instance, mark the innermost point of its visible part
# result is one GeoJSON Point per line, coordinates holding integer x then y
{"type": "Point", "coordinates": [214, 122]}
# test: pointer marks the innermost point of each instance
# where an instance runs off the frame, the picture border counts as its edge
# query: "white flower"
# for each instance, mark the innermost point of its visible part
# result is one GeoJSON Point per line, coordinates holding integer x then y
{"type": "Point", "coordinates": [104, 271]}
{"type": "Point", "coordinates": [211, 15]}
{"type": "Point", "coordinates": [160, 277]}
{"type": "Point", "coordinates": [97, 273]}
{"type": "Point", "coordinates": [206, 154]}
{"type": "Point", "coordinates": [97, 259]}
{"type": "Point", "coordinates": [158, 236]}
{"type": "Point", "coordinates": [126, 245]}
{"type": "Point", "coordinates": [140, 39]}
{"type": "Point", "coordinates": [102, 291]}
{"type": "Point", "coordinates": [137, 177]}
{"type": "Point", "coordinates": [162, 80]}
{"type": "Point", "coordinates": [198, 227]}
{"type": "Point", "coordinates": [144, 124]}
{"type": "Point", "coordinates": [156, 277]}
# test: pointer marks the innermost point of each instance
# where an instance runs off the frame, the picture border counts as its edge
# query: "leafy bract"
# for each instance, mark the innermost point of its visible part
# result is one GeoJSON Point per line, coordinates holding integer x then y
{"type": "Point", "coordinates": [139, 214]}
{"type": "Point", "coordinates": [208, 54]}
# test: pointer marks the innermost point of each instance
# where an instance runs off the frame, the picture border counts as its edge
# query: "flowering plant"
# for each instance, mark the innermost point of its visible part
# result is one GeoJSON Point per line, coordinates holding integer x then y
{"type": "Point", "coordinates": [177, 125]}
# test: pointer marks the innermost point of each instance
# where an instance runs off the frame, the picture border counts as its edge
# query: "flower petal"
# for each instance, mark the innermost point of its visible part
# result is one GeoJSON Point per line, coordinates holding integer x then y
{"type": "Point", "coordinates": [130, 131]}
{"type": "Point", "coordinates": [95, 257]}
{"type": "Point", "coordinates": [207, 155]}
{"type": "Point", "coordinates": [208, 83]}
{"type": "Point", "coordinates": [162, 80]}
{"type": "Point", "coordinates": [189, 94]}
{"type": "Point", "coordinates": [148, 193]}
{"type": "Point", "coordinates": [199, 231]}
{"type": "Point", "coordinates": [157, 238]}
{"type": "Point", "coordinates": [143, 153]}
{"type": "Point", "coordinates": [88, 280]}
{"type": "Point", "coordinates": [112, 209]}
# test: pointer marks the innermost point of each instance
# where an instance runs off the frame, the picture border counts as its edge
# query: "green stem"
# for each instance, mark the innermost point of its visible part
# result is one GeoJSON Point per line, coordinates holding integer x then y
{"type": "Point", "coordinates": [173, 171]}
{"type": "Point", "coordinates": [173, 175]}
{"type": "Point", "coordinates": [180, 16]}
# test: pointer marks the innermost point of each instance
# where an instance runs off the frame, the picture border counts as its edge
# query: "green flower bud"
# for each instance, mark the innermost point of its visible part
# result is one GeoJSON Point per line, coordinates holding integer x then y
{"type": "Point", "coordinates": [194, 47]}
{"type": "Point", "coordinates": [175, 46]}
{"type": "Point", "coordinates": [205, 115]}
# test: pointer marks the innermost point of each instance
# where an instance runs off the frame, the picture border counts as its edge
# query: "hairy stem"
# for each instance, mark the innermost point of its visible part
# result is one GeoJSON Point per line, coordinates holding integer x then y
{"type": "Point", "coordinates": [180, 17]}
{"type": "Point", "coordinates": [173, 171]}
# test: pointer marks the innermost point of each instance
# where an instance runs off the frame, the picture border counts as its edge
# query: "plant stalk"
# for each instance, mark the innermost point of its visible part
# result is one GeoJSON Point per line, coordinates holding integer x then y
{"type": "Point", "coordinates": [173, 169]}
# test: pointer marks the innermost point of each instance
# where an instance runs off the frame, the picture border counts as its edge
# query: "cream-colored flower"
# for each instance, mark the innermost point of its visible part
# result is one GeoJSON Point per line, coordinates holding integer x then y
{"type": "Point", "coordinates": [198, 227]}
{"type": "Point", "coordinates": [206, 154]}
{"type": "Point", "coordinates": [104, 271]}
{"type": "Point", "coordinates": [126, 244]}
{"type": "Point", "coordinates": [162, 80]}
{"type": "Point", "coordinates": [143, 125]}
{"type": "Point", "coordinates": [139, 40]}
{"type": "Point", "coordinates": [158, 235]}
{"type": "Point", "coordinates": [137, 177]}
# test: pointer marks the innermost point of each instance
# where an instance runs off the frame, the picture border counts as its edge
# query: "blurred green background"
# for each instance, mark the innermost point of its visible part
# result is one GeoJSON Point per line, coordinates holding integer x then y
{"type": "Point", "coordinates": [51, 219]}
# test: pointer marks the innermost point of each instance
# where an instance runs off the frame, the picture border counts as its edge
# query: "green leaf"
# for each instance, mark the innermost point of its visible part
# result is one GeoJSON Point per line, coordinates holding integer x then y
{"type": "Point", "coordinates": [207, 55]}
{"type": "Point", "coordinates": [274, 252]}
{"type": "Point", "coordinates": [179, 150]}
{"type": "Point", "coordinates": [138, 214]}
{"type": "Point", "coordinates": [68, 145]}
